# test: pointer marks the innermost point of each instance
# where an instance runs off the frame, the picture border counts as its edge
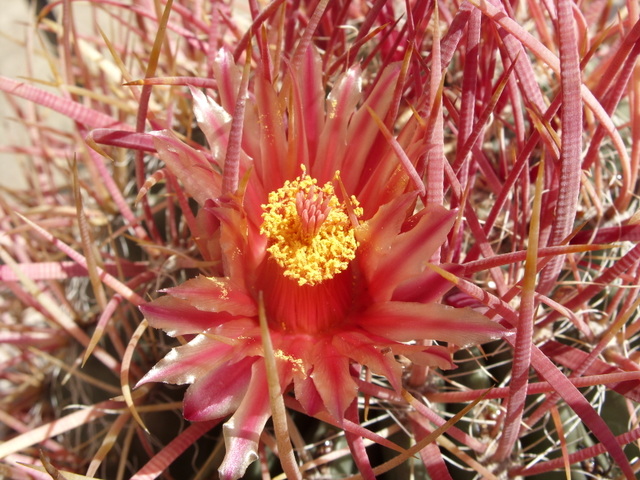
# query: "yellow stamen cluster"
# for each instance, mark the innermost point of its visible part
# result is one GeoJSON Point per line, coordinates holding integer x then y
{"type": "Point", "coordinates": [311, 235]}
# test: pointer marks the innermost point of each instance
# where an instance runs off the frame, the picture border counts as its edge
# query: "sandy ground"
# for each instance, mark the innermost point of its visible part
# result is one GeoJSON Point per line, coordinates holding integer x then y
{"type": "Point", "coordinates": [14, 24]}
{"type": "Point", "coordinates": [18, 36]}
{"type": "Point", "coordinates": [17, 28]}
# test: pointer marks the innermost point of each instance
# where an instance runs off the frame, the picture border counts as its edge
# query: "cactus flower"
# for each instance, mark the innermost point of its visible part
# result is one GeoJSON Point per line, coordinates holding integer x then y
{"type": "Point", "coordinates": [325, 233]}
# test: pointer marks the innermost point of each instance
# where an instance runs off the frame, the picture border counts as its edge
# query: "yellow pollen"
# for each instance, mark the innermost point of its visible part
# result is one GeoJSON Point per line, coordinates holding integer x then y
{"type": "Point", "coordinates": [296, 363]}
{"type": "Point", "coordinates": [310, 233]}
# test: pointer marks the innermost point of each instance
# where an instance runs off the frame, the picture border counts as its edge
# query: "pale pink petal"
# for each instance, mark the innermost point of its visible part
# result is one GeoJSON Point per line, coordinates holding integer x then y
{"type": "Point", "coordinates": [219, 392]}
{"type": "Point", "coordinates": [404, 322]}
{"type": "Point", "coordinates": [242, 431]}
{"type": "Point", "coordinates": [177, 317]}
{"type": "Point", "coordinates": [215, 294]}
{"type": "Point", "coordinates": [214, 121]}
{"type": "Point", "coordinates": [190, 362]}
{"type": "Point", "coordinates": [227, 75]}
{"type": "Point", "coordinates": [197, 175]}
{"type": "Point", "coordinates": [332, 378]}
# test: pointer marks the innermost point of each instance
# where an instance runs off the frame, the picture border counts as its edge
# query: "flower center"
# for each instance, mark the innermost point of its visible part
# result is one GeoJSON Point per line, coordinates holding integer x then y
{"type": "Point", "coordinates": [311, 235]}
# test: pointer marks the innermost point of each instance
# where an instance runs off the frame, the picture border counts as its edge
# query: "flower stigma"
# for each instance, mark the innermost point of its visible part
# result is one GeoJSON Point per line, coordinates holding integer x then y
{"type": "Point", "coordinates": [311, 235]}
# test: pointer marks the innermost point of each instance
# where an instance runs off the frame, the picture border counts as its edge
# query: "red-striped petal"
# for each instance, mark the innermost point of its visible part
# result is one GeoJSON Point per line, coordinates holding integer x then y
{"type": "Point", "coordinates": [215, 294]}
{"type": "Point", "coordinates": [404, 322]}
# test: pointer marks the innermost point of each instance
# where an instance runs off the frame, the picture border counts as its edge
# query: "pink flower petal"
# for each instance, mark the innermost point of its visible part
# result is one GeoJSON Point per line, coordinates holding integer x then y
{"type": "Point", "coordinates": [307, 394]}
{"type": "Point", "coordinates": [214, 122]}
{"type": "Point", "coordinates": [312, 93]}
{"type": "Point", "coordinates": [233, 240]}
{"type": "Point", "coordinates": [273, 141]}
{"type": "Point", "coordinates": [377, 235]}
{"type": "Point", "coordinates": [219, 392]}
{"type": "Point", "coordinates": [404, 322]}
{"type": "Point", "coordinates": [381, 361]}
{"type": "Point", "coordinates": [215, 294]}
{"type": "Point", "coordinates": [411, 250]}
{"type": "Point", "coordinates": [177, 317]}
{"type": "Point", "coordinates": [189, 165]}
{"type": "Point", "coordinates": [188, 363]}
{"type": "Point", "coordinates": [227, 75]}
{"type": "Point", "coordinates": [332, 378]}
{"type": "Point", "coordinates": [363, 132]}
{"type": "Point", "coordinates": [242, 431]}
{"type": "Point", "coordinates": [426, 287]}
{"type": "Point", "coordinates": [429, 356]}
{"type": "Point", "coordinates": [433, 356]}
{"type": "Point", "coordinates": [245, 330]}
{"type": "Point", "coordinates": [341, 103]}
{"type": "Point", "coordinates": [208, 230]}
{"type": "Point", "coordinates": [299, 356]}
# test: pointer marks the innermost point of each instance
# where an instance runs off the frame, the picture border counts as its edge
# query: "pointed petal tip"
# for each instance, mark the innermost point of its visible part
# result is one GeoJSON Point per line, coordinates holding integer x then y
{"type": "Point", "coordinates": [406, 321]}
{"type": "Point", "coordinates": [233, 466]}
